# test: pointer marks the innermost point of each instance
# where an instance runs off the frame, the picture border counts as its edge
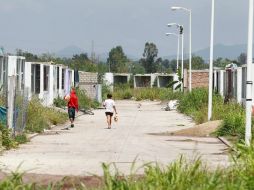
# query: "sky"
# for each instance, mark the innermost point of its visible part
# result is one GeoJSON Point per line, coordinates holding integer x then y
{"type": "Point", "coordinates": [41, 26]}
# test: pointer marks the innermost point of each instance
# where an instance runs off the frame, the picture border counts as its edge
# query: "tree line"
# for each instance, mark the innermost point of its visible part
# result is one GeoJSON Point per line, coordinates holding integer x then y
{"type": "Point", "coordinates": [118, 61]}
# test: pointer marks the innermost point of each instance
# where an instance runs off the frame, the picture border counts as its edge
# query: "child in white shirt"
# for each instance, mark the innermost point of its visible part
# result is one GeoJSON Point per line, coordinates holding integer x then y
{"type": "Point", "coordinates": [110, 106]}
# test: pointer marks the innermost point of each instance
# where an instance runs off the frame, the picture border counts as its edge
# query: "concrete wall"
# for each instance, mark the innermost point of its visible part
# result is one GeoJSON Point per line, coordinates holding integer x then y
{"type": "Point", "coordinates": [200, 78]}
{"type": "Point", "coordinates": [88, 82]}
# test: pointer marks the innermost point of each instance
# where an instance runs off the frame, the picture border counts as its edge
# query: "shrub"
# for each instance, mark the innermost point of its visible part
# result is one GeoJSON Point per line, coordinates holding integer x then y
{"type": "Point", "coordinates": [125, 92]}
{"type": "Point", "coordinates": [193, 101]}
{"type": "Point", "coordinates": [59, 102]}
{"type": "Point", "coordinates": [195, 104]}
{"type": "Point", "coordinates": [7, 141]}
{"type": "Point", "coordinates": [84, 101]}
{"type": "Point", "coordinates": [21, 138]}
{"type": "Point", "coordinates": [40, 117]}
{"type": "Point", "coordinates": [233, 124]}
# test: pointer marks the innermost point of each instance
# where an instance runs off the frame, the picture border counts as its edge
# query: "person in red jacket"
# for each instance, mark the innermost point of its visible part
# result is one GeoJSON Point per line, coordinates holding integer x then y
{"type": "Point", "coordinates": [72, 106]}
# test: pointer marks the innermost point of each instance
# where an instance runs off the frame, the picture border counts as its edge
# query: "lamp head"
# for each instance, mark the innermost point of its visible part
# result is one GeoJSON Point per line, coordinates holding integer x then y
{"type": "Point", "coordinates": [175, 8]}
{"type": "Point", "coordinates": [171, 24]}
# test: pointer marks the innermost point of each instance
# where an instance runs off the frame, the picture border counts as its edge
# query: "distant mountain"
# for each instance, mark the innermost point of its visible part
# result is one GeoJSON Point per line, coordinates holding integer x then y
{"type": "Point", "coordinates": [224, 51]}
{"type": "Point", "coordinates": [220, 50]}
{"type": "Point", "coordinates": [69, 51]}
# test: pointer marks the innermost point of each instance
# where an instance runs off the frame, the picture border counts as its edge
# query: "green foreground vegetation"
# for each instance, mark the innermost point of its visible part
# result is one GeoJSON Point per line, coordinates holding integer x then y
{"type": "Point", "coordinates": [181, 174]}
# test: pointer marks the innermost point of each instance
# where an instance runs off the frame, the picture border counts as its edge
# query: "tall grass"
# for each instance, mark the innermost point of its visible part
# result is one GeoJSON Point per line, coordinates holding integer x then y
{"type": "Point", "coordinates": [40, 117]}
{"type": "Point", "coordinates": [190, 175]}
{"type": "Point", "coordinates": [232, 114]}
{"type": "Point", "coordinates": [124, 91]}
{"type": "Point", "coordinates": [84, 101]}
{"type": "Point", "coordinates": [180, 174]}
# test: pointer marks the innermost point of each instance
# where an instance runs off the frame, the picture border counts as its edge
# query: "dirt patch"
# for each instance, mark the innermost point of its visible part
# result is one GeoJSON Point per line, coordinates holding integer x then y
{"type": "Point", "coordinates": [57, 180]}
{"type": "Point", "coordinates": [202, 130]}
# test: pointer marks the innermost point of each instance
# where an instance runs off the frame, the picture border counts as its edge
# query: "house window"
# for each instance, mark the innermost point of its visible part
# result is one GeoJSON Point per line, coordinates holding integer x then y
{"type": "Point", "coordinates": [63, 78]}
{"type": "Point", "coordinates": [46, 77]}
{"type": "Point", "coordinates": [35, 78]}
{"type": "Point", "coordinates": [22, 73]}
{"type": "Point", "coordinates": [18, 81]}
{"type": "Point", "coordinates": [57, 78]}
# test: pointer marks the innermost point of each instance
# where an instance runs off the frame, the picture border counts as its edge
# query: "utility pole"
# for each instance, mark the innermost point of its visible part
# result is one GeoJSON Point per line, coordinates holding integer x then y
{"type": "Point", "coordinates": [210, 96]}
{"type": "Point", "coordinates": [249, 82]}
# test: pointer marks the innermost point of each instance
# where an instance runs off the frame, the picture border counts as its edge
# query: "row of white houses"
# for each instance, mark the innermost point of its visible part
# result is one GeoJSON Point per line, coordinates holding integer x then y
{"type": "Point", "coordinates": [231, 82]}
{"type": "Point", "coordinates": [42, 79]}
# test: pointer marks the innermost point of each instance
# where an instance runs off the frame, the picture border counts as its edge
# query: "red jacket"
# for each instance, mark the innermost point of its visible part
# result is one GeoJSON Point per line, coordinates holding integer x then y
{"type": "Point", "coordinates": [73, 102]}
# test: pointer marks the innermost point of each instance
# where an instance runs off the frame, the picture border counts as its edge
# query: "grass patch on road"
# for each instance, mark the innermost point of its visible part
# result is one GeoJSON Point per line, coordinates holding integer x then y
{"type": "Point", "coordinates": [122, 92]}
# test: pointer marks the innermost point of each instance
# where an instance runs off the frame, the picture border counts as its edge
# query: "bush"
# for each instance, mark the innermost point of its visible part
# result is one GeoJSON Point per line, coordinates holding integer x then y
{"type": "Point", "coordinates": [124, 91]}
{"type": "Point", "coordinates": [84, 101]}
{"type": "Point", "coordinates": [233, 124]}
{"type": "Point", "coordinates": [7, 141]}
{"type": "Point", "coordinates": [59, 102]}
{"type": "Point", "coordinates": [40, 117]}
{"type": "Point", "coordinates": [193, 101]}
{"type": "Point", "coordinates": [195, 104]}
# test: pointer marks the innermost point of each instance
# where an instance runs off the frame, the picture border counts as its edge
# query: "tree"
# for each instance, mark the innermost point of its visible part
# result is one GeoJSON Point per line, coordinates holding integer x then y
{"type": "Point", "coordinates": [117, 60]}
{"type": "Point", "coordinates": [148, 61]}
{"type": "Point", "coordinates": [242, 59]}
{"type": "Point", "coordinates": [166, 63]}
{"type": "Point", "coordinates": [198, 63]}
{"type": "Point", "coordinates": [137, 68]}
{"type": "Point", "coordinates": [29, 56]}
{"type": "Point", "coordinates": [220, 62]}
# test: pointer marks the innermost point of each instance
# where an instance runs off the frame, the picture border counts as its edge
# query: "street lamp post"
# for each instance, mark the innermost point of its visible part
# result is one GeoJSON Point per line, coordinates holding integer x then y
{"type": "Point", "coordinates": [249, 82]}
{"type": "Point", "coordinates": [182, 37]}
{"type": "Point", "coordinates": [210, 96]}
{"type": "Point", "coordinates": [178, 48]}
{"type": "Point", "coordinates": [190, 51]}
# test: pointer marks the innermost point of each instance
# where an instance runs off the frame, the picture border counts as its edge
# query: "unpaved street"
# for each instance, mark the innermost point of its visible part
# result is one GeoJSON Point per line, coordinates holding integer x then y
{"type": "Point", "coordinates": [82, 150]}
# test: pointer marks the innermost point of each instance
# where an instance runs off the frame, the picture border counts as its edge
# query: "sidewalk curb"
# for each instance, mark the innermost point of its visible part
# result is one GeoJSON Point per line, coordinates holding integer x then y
{"type": "Point", "coordinates": [31, 136]}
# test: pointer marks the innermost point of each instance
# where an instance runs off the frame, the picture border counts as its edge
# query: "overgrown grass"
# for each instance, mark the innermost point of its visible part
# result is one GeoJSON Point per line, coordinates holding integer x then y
{"type": "Point", "coordinates": [126, 92]}
{"type": "Point", "coordinates": [191, 175]}
{"type": "Point", "coordinates": [180, 174]}
{"type": "Point", "coordinates": [195, 105]}
{"type": "Point", "coordinates": [40, 117]}
{"type": "Point", "coordinates": [59, 102]}
{"type": "Point", "coordinates": [84, 101]}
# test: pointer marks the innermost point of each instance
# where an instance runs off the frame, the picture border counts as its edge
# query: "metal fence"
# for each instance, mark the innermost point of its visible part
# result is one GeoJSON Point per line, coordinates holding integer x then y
{"type": "Point", "coordinates": [13, 105]}
{"type": "Point", "coordinates": [20, 110]}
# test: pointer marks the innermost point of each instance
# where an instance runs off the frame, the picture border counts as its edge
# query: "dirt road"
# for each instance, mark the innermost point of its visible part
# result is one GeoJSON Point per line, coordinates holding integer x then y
{"type": "Point", "coordinates": [82, 150]}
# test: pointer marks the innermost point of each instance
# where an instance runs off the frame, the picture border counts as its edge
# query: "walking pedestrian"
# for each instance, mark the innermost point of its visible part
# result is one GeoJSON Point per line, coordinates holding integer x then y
{"type": "Point", "coordinates": [110, 106]}
{"type": "Point", "coordinates": [72, 106]}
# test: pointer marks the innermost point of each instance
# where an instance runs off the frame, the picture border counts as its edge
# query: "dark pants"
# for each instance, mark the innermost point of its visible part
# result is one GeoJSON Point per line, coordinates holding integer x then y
{"type": "Point", "coordinates": [71, 113]}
